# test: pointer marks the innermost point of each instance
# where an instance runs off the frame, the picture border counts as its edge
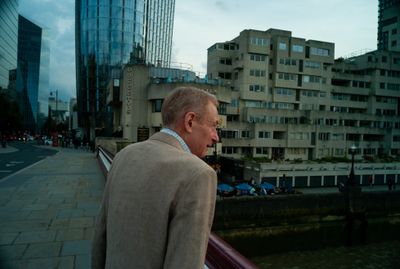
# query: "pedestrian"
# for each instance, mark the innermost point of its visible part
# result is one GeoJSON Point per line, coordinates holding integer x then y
{"type": "Point", "coordinates": [390, 183]}
{"type": "Point", "coordinates": [370, 181]}
{"type": "Point", "coordinates": [283, 187]}
{"type": "Point", "coordinates": [159, 199]}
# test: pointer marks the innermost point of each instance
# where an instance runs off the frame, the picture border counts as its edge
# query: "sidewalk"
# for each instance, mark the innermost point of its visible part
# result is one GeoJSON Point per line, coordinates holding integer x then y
{"type": "Point", "coordinates": [47, 212]}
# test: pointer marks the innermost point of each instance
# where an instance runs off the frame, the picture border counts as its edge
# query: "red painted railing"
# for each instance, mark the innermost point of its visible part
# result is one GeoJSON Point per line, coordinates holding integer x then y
{"type": "Point", "coordinates": [220, 255]}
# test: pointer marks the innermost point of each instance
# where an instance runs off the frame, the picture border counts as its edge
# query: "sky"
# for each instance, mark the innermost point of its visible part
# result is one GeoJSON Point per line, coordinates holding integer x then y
{"type": "Point", "coordinates": [350, 24]}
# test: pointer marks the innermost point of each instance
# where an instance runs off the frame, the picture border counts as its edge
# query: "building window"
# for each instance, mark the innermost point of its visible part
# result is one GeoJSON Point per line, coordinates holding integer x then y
{"type": "Point", "coordinates": [384, 59]}
{"type": "Point", "coordinates": [157, 104]}
{"type": "Point", "coordinates": [225, 75]}
{"type": "Point", "coordinates": [287, 76]}
{"type": "Point", "coordinates": [311, 79]}
{"type": "Point", "coordinates": [264, 134]}
{"type": "Point", "coordinates": [257, 88]}
{"type": "Point", "coordinates": [284, 91]}
{"type": "Point", "coordinates": [339, 152]}
{"type": "Point", "coordinates": [257, 57]}
{"type": "Point", "coordinates": [258, 41]}
{"type": "Point", "coordinates": [226, 61]}
{"type": "Point", "coordinates": [229, 150]}
{"type": "Point", "coordinates": [262, 150]}
{"type": "Point", "coordinates": [282, 46]}
{"type": "Point", "coordinates": [319, 51]}
{"type": "Point", "coordinates": [234, 103]}
{"type": "Point", "coordinates": [312, 64]}
{"type": "Point", "coordinates": [323, 136]}
{"type": "Point", "coordinates": [245, 134]}
{"type": "Point", "coordinates": [229, 134]}
{"type": "Point", "coordinates": [297, 48]}
{"type": "Point", "coordinates": [257, 73]}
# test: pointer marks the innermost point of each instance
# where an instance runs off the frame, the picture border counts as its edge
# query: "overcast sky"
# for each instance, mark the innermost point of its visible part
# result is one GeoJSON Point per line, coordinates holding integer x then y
{"type": "Point", "coordinates": [350, 24]}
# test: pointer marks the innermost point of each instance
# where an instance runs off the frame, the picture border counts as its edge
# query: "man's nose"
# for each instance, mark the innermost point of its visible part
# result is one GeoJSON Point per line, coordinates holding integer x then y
{"type": "Point", "coordinates": [215, 137]}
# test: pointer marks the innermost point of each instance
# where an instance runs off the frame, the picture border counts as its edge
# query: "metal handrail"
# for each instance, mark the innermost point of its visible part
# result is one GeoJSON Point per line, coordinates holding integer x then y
{"type": "Point", "coordinates": [220, 255]}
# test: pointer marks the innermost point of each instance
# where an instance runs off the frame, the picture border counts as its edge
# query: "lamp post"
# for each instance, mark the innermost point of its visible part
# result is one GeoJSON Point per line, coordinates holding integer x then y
{"type": "Point", "coordinates": [354, 209]}
{"type": "Point", "coordinates": [352, 181]}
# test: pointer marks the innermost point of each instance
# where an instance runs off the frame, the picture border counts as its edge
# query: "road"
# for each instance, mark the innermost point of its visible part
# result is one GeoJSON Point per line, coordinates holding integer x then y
{"type": "Point", "coordinates": [18, 155]}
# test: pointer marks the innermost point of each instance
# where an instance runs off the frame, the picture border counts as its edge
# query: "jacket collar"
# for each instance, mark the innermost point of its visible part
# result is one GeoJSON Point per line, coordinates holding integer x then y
{"type": "Point", "coordinates": [168, 139]}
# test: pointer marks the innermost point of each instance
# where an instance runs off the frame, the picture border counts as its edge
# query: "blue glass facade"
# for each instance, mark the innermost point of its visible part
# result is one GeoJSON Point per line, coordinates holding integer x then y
{"type": "Point", "coordinates": [8, 39]}
{"type": "Point", "coordinates": [109, 34]}
{"type": "Point", "coordinates": [32, 74]}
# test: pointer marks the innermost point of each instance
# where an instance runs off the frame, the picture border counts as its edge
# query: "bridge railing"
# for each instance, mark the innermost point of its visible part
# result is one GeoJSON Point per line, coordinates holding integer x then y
{"type": "Point", "coordinates": [220, 255]}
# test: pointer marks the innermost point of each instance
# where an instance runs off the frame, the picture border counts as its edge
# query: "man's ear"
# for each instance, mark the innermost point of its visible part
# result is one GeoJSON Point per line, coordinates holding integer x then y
{"type": "Point", "coordinates": [189, 118]}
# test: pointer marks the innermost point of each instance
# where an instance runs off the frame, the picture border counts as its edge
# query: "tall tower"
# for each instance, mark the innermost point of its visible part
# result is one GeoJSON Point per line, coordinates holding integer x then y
{"type": "Point", "coordinates": [8, 40]}
{"type": "Point", "coordinates": [389, 25]}
{"type": "Point", "coordinates": [110, 34]}
{"type": "Point", "coordinates": [33, 73]}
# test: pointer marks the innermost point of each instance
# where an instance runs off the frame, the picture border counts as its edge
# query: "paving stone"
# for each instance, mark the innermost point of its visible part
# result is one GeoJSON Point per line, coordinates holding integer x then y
{"type": "Point", "coordinates": [22, 226]}
{"type": "Point", "coordinates": [40, 263]}
{"type": "Point", "coordinates": [81, 222]}
{"type": "Point", "coordinates": [76, 247]}
{"type": "Point", "coordinates": [82, 261]}
{"type": "Point", "coordinates": [70, 234]}
{"type": "Point", "coordinates": [35, 207]}
{"type": "Point", "coordinates": [59, 224]}
{"type": "Point", "coordinates": [36, 237]}
{"type": "Point", "coordinates": [89, 233]}
{"type": "Point", "coordinates": [7, 238]}
{"type": "Point", "coordinates": [43, 250]}
{"type": "Point", "coordinates": [67, 262]}
{"type": "Point", "coordinates": [43, 215]}
{"type": "Point", "coordinates": [11, 252]}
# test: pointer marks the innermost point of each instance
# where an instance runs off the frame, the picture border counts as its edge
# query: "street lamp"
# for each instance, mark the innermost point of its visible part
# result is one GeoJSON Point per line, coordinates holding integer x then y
{"type": "Point", "coordinates": [352, 180]}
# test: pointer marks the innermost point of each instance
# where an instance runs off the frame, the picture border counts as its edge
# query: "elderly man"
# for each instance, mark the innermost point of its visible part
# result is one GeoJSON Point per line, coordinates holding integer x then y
{"type": "Point", "coordinates": [158, 203]}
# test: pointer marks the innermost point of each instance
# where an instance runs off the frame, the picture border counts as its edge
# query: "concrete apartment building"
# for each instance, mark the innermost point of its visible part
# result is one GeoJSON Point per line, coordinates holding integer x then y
{"type": "Point", "coordinates": [290, 100]}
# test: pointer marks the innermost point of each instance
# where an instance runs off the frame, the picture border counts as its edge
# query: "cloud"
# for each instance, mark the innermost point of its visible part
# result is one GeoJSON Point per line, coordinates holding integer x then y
{"type": "Point", "coordinates": [58, 18]}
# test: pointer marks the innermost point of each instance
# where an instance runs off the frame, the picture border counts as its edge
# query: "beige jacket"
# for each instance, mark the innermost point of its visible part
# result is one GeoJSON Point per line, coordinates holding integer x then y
{"type": "Point", "coordinates": [157, 209]}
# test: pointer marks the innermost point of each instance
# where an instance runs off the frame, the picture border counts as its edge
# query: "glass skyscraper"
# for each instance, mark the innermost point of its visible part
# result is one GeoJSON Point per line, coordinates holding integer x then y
{"type": "Point", "coordinates": [8, 40]}
{"type": "Point", "coordinates": [109, 34]}
{"type": "Point", "coordinates": [32, 74]}
{"type": "Point", "coordinates": [389, 25]}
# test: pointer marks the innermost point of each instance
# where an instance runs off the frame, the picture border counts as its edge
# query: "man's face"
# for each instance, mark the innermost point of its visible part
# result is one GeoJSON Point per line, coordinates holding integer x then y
{"type": "Point", "coordinates": [204, 132]}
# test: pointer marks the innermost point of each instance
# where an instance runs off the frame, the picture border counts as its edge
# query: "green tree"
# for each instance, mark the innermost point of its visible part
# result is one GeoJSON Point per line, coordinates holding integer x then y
{"type": "Point", "coordinates": [10, 115]}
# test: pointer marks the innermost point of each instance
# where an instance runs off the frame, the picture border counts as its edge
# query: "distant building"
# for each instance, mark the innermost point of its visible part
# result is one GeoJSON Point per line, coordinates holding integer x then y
{"type": "Point", "coordinates": [59, 110]}
{"type": "Point", "coordinates": [73, 114]}
{"type": "Point", "coordinates": [109, 35]}
{"type": "Point", "coordinates": [33, 74]}
{"type": "Point", "coordinates": [8, 40]}
{"type": "Point", "coordinates": [138, 97]}
{"type": "Point", "coordinates": [389, 25]}
{"type": "Point", "coordinates": [290, 100]}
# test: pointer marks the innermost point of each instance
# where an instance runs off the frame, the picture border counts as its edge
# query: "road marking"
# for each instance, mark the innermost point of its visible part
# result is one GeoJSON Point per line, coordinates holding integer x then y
{"type": "Point", "coordinates": [16, 162]}
{"type": "Point", "coordinates": [20, 171]}
{"type": "Point", "coordinates": [9, 164]}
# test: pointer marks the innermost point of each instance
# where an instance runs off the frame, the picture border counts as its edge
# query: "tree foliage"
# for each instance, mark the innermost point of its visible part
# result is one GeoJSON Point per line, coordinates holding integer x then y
{"type": "Point", "coordinates": [10, 116]}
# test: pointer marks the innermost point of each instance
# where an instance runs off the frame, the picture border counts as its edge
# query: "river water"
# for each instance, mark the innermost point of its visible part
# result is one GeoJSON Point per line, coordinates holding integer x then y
{"type": "Point", "coordinates": [321, 246]}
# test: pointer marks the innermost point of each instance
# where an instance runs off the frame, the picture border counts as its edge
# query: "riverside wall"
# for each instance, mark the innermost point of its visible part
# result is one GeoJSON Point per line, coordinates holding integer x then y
{"type": "Point", "coordinates": [241, 212]}
{"type": "Point", "coordinates": [258, 226]}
